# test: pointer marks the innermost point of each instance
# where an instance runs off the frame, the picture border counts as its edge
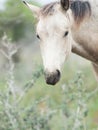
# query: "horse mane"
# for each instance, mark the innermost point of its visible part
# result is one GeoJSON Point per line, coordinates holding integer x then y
{"type": "Point", "coordinates": [80, 9]}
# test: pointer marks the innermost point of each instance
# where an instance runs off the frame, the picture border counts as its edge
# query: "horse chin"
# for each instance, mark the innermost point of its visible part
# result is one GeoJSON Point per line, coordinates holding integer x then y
{"type": "Point", "coordinates": [52, 78]}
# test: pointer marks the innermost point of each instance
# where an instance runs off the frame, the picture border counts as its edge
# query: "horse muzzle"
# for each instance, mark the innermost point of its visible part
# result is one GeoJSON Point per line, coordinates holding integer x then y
{"type": "Point", "coordinates": [53, 77]}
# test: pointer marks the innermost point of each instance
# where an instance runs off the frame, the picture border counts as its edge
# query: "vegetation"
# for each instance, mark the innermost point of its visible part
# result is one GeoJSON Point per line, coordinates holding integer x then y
{"type": "Point", "coordinates": [16, 20]}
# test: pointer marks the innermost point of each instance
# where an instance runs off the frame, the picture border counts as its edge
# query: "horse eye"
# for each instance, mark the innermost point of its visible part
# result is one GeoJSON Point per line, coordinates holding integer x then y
{"type": "Point", "coordinates": [38, 36]}
{"type": "Point", "coordinates": [66, 33]}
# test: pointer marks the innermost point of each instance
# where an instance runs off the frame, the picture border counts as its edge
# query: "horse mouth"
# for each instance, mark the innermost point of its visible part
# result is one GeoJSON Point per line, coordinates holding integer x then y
{"type": "Point", "coordinates": [52, 78]}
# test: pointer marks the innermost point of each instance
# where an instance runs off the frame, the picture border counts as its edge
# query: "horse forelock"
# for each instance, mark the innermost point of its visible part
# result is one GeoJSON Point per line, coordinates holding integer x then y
{"type": "Point", "coordinates": [48, 9]}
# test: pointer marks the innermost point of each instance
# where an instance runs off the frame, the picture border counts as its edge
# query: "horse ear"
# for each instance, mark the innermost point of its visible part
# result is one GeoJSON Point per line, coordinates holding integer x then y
{"type": "Point", "coordinates": [65, 4]}
{"type": "Point", "coordinates": [33, 8]}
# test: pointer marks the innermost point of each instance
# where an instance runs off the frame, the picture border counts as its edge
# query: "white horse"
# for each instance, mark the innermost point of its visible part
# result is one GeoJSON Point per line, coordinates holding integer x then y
{"type": "Point", "coordinates": [64, 27]}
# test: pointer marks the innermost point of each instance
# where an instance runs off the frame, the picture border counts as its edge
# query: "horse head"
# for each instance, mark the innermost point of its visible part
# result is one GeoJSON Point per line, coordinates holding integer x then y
{"type": "Point", "coordinates": [54, 33]}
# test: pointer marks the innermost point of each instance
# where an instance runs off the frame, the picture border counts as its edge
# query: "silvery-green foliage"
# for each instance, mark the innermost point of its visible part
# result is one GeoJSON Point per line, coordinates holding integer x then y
{"type": "Point", "coordinates": [74, 106]}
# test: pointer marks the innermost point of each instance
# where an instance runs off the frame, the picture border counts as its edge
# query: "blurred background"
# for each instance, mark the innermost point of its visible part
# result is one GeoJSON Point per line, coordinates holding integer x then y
{"type": "Point", "coordinates": [18, 23]}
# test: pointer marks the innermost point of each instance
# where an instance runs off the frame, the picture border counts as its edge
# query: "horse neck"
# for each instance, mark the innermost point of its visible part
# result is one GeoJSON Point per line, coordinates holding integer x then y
{"type": "Point", "coordinates": [85, 38]}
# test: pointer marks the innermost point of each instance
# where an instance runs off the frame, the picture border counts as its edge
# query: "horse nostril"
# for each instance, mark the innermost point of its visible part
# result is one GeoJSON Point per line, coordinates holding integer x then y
{"type": "Point", "coordinates": [58, 73]}
{"type": "Point", "coordinates": [52, 78]}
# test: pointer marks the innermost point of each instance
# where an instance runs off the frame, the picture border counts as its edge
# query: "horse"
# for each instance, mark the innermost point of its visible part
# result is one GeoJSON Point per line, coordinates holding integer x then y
{"type": "Point", "coordinates": [65, 27]}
